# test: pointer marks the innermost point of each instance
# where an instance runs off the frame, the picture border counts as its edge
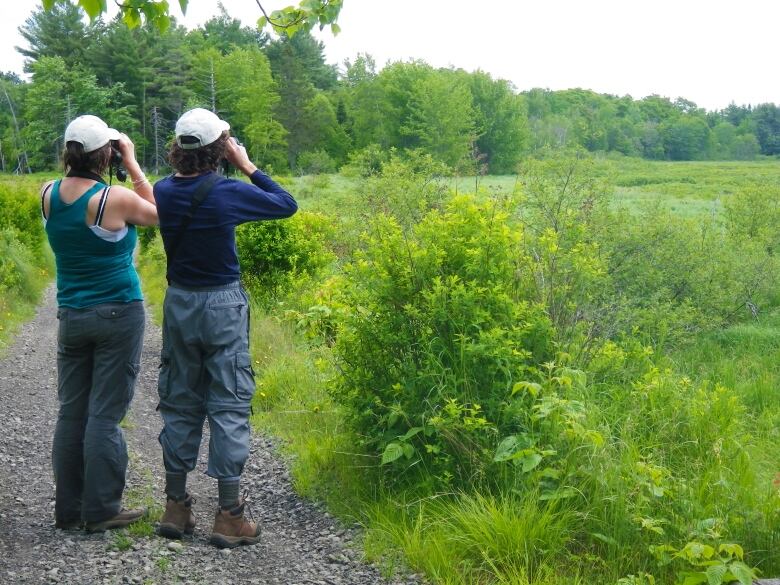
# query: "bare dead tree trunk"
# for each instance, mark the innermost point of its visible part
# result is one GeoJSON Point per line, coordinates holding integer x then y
{"type": "Point", "coordinates": [143, 124]}
{"type": "Point", "coordinates": [158, 124]}
{"type": "Point", "coordinates": [22, 164]}
{"type": "Point", "coordinates": [213, 88]}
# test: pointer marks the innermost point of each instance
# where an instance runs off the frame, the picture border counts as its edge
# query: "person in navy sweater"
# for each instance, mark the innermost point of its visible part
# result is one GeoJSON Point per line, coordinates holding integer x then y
{"type": "Point", "coordinates": [205, 366]}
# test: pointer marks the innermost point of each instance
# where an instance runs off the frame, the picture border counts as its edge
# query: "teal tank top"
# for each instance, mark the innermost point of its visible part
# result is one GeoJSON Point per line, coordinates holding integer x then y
{"type": "Point", "coordinates": [90, 270]}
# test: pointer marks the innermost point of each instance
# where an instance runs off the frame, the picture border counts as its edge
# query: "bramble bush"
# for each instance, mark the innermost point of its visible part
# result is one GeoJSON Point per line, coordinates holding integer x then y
{"type": "Point", "coordinates": [366, 162]}
{"type": "Point", "coordinates": [18, 266]}
{"type": "Point", "coordinates": [435, 337]}
{"type": "Point", "coordinates": [20, 213]}
{"type": "Point", "coordinates": [276, 256]}
{"type": "Point", "coordinates": [315, 162]}
{"type": "Point", "coordinates": [24, 261]}
{"type": "Point", "coordinates": [408, 186]}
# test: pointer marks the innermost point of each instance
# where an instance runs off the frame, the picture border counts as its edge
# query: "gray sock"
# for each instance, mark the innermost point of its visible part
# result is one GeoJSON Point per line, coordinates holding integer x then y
{"type": "Point", "coordinates": [228, 493]}
{"type": "Point", "coordinates": [176, 486]}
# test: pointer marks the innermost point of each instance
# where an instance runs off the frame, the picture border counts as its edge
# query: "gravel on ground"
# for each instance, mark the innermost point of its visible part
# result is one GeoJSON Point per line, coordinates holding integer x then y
{"type": "Point", "coordinates": [301, 543]}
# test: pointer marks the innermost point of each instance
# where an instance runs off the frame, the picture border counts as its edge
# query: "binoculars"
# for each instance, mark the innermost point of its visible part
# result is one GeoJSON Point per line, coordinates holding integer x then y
{"type": "Point", "coordinates": [115, 167]}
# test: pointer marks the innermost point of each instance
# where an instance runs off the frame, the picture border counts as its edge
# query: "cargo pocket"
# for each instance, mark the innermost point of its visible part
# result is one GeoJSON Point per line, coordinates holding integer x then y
{"type": "Point", "coordinates": [245, 377]}
{"type": "Point", "coordinates": [164, 380]}
{"type": "Point", "coordinates": [133, 370]}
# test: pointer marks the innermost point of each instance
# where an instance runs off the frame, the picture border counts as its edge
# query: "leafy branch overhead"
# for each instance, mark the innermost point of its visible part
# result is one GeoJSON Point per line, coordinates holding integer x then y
{"type": "Point", "coordinates": [286, 21]}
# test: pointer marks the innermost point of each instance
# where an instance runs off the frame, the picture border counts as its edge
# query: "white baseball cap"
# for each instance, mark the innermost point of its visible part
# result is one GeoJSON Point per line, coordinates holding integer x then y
{"type": "Point", "coordinates": [91, 132]}
{"type": "Point", "coordinates": [201, 124]}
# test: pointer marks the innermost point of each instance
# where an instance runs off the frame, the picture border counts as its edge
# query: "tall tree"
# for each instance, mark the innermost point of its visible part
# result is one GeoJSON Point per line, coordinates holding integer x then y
{"type": "Point", "coordinates": [56, 95]}
{"type": "Point", "coordinates": [247, 96]}
{"type": "Point", "coordinates": [766, 118]}
{"type": "Point", "coordinates": [59, 32]}
{"type": "Point", "coordinates": [501, 121]}
{"type": "Point", "coordinates": [309, 55]}
{"type": "Point", "coordinates": [225, 33]}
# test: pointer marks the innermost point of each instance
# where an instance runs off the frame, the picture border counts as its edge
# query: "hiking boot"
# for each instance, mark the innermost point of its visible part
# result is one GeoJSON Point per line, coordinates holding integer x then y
{"type": "Point", "coordinates": [124, 518]}
{"type": "Point", "coordinates": [231, 529]}
{"type": "Point", "coordinates": [68, 524]}
{"type": "Point", "coordinates": [178, 518]}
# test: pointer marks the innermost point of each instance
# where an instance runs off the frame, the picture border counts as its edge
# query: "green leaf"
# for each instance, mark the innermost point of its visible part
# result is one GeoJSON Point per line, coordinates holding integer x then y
{"type": "Point", "coordinates": [506, 449]}
{"type": "Point", "coordinates": [733, 550]}
{"type": "Point", "coordinates": [531, 461]}
{"type": "Point", "coordinates": [335, 29]}
{"type": "Point", "coordinates": [393, 452]}
{"type": "Point", "coordinates": [261, 22]}
{"type": "Point", "coordinates": [410, 433]}
{"type": "Point", "coordinates": [742, 573]}
{"type": "Point", "coordinates": [604, 538]}
{"type": "Point", "coordinates": [93, 8]}
{"type": "Point", "coordinates": [48, 4]}
{"type": "Point", "coordinates": [531, 387]}
{"type": "Point", "coordinates": [693, 578]}
{"type": "Point", "coordinates": [392, 418]}
{"type": "Point", "coordinates": [408, 450]}
{"type": "Point", "coordinates": [715, 574]}
{"type": "Point", "coordinates": [163, 22]}
{"type": "Point", "coordinates": [131, 17]}
{"type": "Point", "coordinates": [183, 6]}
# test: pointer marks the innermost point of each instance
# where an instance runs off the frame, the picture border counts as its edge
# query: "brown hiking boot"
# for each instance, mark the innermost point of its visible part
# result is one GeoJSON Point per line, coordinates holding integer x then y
{"type": "Point", "coordinates": [124, 518]}
{"type": "Point", "coordinates": [178, 518]}
{"type": "Point", "coordinates": [231, 529]}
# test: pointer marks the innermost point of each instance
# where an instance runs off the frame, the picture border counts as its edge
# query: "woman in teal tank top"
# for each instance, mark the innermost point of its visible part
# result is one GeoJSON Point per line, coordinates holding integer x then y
{"type": "Point", "coordinates": [91, 229]}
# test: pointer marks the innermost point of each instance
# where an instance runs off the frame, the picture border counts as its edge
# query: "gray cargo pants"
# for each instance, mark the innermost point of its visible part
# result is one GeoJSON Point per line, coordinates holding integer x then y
{"type": "Point", "coordinates": [98, 355]}
{"type": "Point", "coordinates": [206, 371]}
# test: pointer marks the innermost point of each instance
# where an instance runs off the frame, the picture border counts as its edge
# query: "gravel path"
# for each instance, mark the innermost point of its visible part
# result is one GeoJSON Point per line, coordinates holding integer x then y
{"type": "Point", "coordinates": [301, 544]}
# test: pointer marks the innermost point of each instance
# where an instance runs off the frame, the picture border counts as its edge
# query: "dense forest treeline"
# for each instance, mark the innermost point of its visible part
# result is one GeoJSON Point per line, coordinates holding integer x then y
{"type": "Point", "coordinates": [296, 112]}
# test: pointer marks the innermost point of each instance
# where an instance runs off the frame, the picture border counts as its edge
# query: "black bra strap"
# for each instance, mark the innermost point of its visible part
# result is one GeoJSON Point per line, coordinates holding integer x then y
{"type": "Point", "coordinates": [43, 196]}
{"type": "Point", "coordinates": [101, 206]}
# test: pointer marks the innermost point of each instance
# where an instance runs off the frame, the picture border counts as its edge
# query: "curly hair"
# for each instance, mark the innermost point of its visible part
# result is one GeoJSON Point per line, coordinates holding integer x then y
{"type": "Point", "coordinates": [75, 159]}
{"type": "Point", "coordinates": [198, 160]}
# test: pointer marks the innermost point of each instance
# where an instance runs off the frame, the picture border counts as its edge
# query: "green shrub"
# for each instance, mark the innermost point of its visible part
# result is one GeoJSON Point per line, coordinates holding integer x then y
{"type": "Point", "coordinates": [277, 255]}
{"type": "Point", "coordinates": [407, 187]}
{"type": "Point", "coordinates": [21, 272]}
{"type": "Point", "coordinates": [366, 162]}
{"type": "Point", "coordinates": [432, 336]}
{"type": "Point", "coordinates": [20, 211]}
{"type": "Point", "coordinates": [316, 162]}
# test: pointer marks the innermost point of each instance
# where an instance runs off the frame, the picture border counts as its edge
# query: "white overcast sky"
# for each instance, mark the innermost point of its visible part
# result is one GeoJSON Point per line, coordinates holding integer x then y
{"type": "Point", "coordinates": [709, 51]}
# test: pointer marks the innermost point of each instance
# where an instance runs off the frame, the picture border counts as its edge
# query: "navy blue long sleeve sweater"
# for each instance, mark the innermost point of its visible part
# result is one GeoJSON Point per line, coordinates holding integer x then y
{"type": "Point", "coordinates": [207, 254]}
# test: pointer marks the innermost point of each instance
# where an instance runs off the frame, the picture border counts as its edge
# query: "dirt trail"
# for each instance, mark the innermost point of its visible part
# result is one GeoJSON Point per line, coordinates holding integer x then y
{"type": "Point", "coordinates": [301, 544]}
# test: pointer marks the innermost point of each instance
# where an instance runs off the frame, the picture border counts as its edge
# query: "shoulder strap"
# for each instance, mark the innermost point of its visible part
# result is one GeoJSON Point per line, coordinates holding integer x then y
{"type": "Point", "coordinates": [198, 197]}
{"type": "Point", "coordinates": [102, 205]}
{"type": "Point", "coordinates": [43, 197]}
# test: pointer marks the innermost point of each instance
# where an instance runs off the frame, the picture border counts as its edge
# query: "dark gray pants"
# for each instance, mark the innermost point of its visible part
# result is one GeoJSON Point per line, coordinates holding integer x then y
{"type": "Point", "coordinates": [206, 371]}
{"type": "Point", "coordinates": [98, 355]}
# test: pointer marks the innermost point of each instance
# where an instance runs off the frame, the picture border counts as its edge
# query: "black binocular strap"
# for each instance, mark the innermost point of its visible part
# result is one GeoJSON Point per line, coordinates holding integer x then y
{"type": "Point", "coordinates": [198, 197]}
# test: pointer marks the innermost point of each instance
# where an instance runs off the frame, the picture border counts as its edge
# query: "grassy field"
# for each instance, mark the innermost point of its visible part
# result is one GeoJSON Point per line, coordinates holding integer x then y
{"type": "Point", "coordinates": [688, 188]}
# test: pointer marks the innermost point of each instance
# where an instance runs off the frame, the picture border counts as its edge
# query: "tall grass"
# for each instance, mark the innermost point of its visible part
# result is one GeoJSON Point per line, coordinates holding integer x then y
{"type": "Point", "coordinates": [26, 263]}
{"type": "Point", "coordinates": [689, 452]}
